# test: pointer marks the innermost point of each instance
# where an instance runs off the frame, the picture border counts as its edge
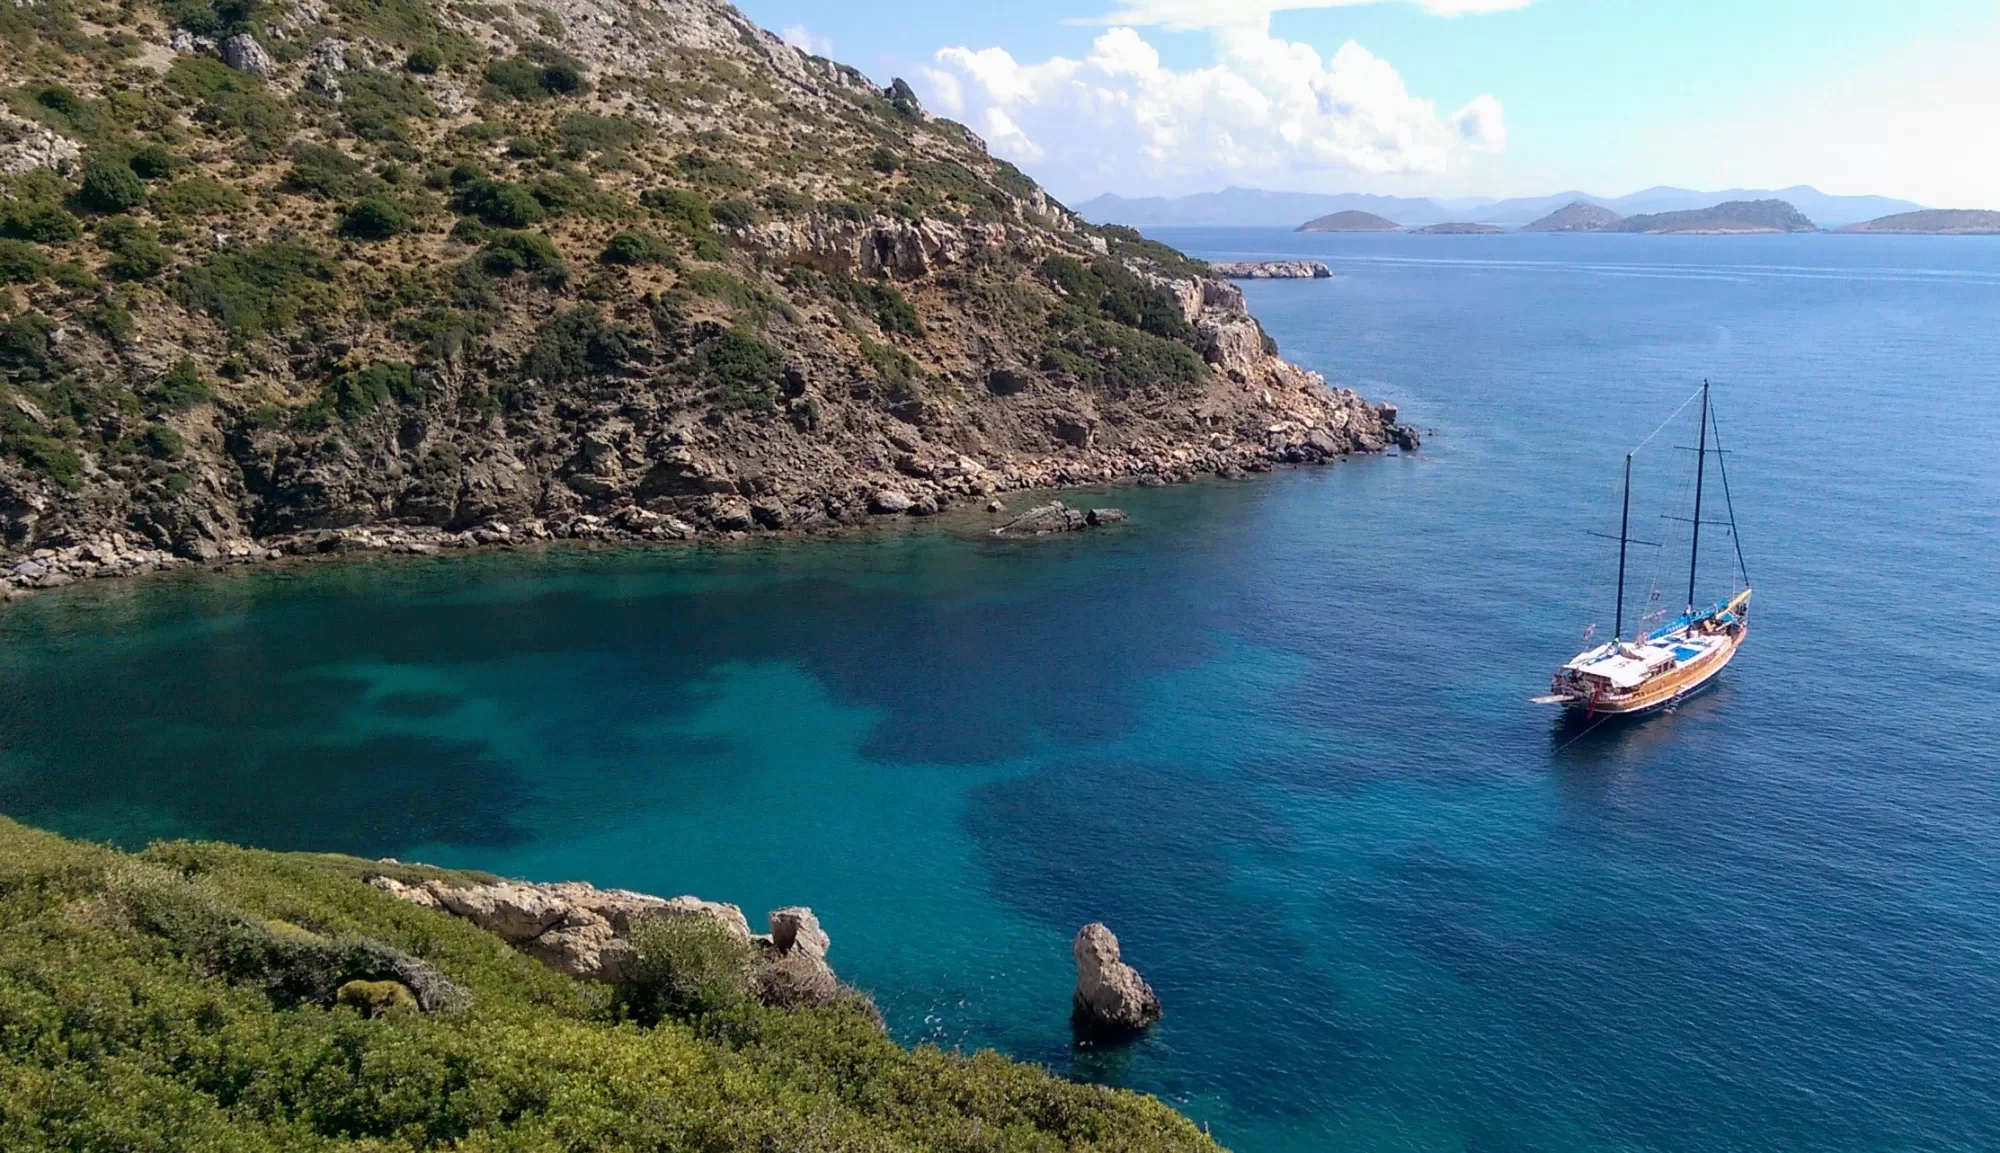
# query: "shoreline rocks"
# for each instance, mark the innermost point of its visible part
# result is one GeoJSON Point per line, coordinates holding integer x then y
{"type": "Point", "coordinates": [1055, 517]}
{"type": "Point", "coordinates": [1272, 270]}
{"type": "Point", "coordinates": [1111, 998]}
{"type": "Point", "coordinates": [584, 931]}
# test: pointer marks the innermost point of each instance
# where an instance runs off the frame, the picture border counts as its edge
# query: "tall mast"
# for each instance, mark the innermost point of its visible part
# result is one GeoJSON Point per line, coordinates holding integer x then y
{"type": "Point", "coordinates": [1700, 462]}
{"type": "Point", "coordinates": [1624, 528]}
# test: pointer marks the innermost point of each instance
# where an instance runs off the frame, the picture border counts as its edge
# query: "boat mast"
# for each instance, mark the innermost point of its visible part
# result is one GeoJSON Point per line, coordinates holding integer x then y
{"type": "Point", "coordinates": [1700, 460]}
{"type": "Point", "coordinates": [1624, 530]}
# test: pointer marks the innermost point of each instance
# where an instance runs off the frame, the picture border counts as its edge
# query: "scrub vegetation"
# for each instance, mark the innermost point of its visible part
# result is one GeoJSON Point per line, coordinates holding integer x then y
{"type": "Point", "coordinates": [206, 997]}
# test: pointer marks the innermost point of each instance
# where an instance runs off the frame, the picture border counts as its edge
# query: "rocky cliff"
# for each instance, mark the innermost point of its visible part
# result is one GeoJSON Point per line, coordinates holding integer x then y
{"type": "Point", "coordinates": [330, 273]}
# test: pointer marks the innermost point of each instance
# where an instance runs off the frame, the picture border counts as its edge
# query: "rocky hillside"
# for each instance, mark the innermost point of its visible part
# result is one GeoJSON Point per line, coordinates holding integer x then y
{"type": "Point", "coordinates": [300, 275]}
{"type": "Point", "coordinates": [1729, 217]}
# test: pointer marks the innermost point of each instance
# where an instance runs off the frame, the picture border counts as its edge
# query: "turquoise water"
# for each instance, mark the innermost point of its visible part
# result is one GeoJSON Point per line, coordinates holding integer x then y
{"type": "Point", "coordinates": [1274, 733]}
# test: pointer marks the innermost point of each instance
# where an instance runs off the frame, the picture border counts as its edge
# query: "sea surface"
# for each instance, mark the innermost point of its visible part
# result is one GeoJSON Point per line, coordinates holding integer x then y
{"type": "Point", "coordinates": [1275, 733]}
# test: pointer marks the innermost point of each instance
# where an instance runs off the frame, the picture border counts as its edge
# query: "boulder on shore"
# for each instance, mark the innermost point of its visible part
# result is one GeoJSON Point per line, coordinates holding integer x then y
{"type": "Point", "coordinates": [1111, 997]}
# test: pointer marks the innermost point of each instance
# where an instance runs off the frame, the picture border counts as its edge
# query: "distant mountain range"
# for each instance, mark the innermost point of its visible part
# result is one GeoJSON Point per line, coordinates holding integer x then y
{"type": "Point", "coordinates": [1253, 206]}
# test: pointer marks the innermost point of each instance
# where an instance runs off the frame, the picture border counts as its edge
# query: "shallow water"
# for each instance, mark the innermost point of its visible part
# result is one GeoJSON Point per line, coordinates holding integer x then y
{"type": "Point", "coordinates": [1274, 733]}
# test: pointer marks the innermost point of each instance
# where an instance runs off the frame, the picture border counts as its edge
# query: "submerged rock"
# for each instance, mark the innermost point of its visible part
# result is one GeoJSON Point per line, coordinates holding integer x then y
{"type": "Point", "coordinates": [1043, 519]}
{"type": "Point", "coordinates": [1111, 997]}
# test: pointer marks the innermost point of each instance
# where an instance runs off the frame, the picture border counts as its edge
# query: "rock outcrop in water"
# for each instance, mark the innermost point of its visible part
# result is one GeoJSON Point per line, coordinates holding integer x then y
{"type": "Point", "coordinates": [1111, 997]}
{"type": "Point", "coordinates": [586, 932]}
{"type": "Point", "coordinates": [1272, 270]}
{"type": "Point", "coordinates": [1055, 517]}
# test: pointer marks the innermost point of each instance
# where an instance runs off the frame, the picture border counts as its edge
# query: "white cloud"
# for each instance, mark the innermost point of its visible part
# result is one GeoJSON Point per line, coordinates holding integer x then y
{"type": "Point", "coordinates": [798, 37]}
{"type": "Point", "coordinates": [1268, 111]}
{"type": "Point", "coordinates": [1182, 15]}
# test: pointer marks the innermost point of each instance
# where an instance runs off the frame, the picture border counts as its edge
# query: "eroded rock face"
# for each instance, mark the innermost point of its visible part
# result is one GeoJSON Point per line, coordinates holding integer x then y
{"type": "Point", "coordinates": [586, 932]}
{"type": "Point", "coordinates": [243, 53]}
{"type": "Point", "coordinates": [572, 927]}
{"type": "Point", "coordinates": [1111, 997]}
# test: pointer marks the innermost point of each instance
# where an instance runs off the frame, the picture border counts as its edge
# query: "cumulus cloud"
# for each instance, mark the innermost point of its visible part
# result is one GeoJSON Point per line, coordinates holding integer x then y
{"type": "Point", "coordinates": [1268, 110]}
{"type": "Point", "coordinates": [1182, 15]}
{"type": "Point", "coordinates": [798, 37]}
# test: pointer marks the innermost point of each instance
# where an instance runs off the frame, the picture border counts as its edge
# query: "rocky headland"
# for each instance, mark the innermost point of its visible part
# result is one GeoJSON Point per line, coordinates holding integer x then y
{"type": "Point", "coordinates": [638, 272]}
{"type": "Point", "coordinates": [1272, 270]}
{"type": "Point", "coordinates": [1932, 222]}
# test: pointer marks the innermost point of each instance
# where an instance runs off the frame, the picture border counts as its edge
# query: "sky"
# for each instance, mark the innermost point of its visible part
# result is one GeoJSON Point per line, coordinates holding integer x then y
{"type": "Point", "coordinates": [1448, 97]}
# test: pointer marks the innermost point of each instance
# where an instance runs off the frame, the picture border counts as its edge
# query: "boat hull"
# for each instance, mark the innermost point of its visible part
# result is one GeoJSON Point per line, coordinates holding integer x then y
{"type": "Point", "coordinates": [1665, 690]}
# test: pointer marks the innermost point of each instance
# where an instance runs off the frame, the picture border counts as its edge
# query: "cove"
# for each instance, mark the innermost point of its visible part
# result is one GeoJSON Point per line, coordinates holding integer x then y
{"type": "Point", "coordinates": [1274, 732]}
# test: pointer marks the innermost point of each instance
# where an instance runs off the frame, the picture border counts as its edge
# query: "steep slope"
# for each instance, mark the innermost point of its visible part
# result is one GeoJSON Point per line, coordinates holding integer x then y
{"type": "Point", "coordinates": [1732, 217]}
{"type": "Point", "coordinates": [592, 268]}
{"type": "Point", "coordinates": [1934, 222]}
{"type": "Point", "coordinates": [1577, 216]}
{"type": "Point", "coordinates": [1350, 221]}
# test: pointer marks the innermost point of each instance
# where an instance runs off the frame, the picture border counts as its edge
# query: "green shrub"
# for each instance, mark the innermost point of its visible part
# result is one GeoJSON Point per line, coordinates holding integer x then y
{"type": "Point", "coordinates": [735, 212]}
{"type": "Point", "coordinates": [357, 392]}
{"type": "Point", "coordinates": [181, 388]}
{"type": "Point", "coordinates": [21, 262]}
{"type": "Point", "coordinates": [636, 246]}
{"type": "Point", "coordinates": [538, 74]}
{"type": "Point", "coordinates": [259, 290]}
{"type": "Point", "coordinates": [753, 300]}
{"type": "Point", "coordinates": [500, 203]}
{"type": "Point", "coordinates": [742, 369]}
{"type": "Point", "coordinates": [377, 104]}
{"type": "Point", "coordinates": [882, 300]}
{"type": "Point", "coordinates": [686, 211]}
{"type": "Point", "coordinates": [1109, 357]}
{"type": "Point", "coordinates": [323, 171]}
{"type": "Point", "coordinates": [27, 346]}
{"type": "Point", "coordinates": [136, 251]}
{"type": "Point", "coordinates": [563, 193]}
{"type": "Point", "coordinates": [155, 162]}
{"type": "Point", "coordinates": [217, 18]}
{"type": "Point", "coordinates": [162, 443]}
{"type": "Point", "coordinates": [110, 185]}
{"type": "Point", "coordinates": [72, 275]}
{"type": "Point", "coordinates": [579, 343]}
{"type": "Point", "coordinates": [44, 222]}
{"type": "Point", "coordinates": [785, 201]}
{"type": "Point", "coordinates": [375, 218]}
{"type": "Point", "coordinates": [510, 252]}
{"type": "Point", "coordinates": [682, 968]}
{"type": "Point", "coordinates": [197, 196]}
{"type": "Point", "coordinates": [585, 132]}
{"type": "Point", "coordinates": [424, 60]}
{"type": "Point", "coordinates": [232, 100]}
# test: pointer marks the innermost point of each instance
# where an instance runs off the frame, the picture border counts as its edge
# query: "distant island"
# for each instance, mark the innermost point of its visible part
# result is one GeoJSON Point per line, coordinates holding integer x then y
{"type": "Point", "coordinates": [1934, 222]}
{"type": "Point", "coordinates": [1460, 228]}
{"type": "Point", "coordinates": [1734, 216]}
{"type": "Point", "coordinates": [1252, 207]}
{"type": "Point", "coordinates": [1352, 220]}
{"type": "Point", "coordinates": [1578, 216]}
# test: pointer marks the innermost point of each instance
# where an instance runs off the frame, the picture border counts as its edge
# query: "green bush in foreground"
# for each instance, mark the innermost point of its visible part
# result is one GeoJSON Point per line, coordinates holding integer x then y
{"type": "Point", "coordinates": [199, 997]}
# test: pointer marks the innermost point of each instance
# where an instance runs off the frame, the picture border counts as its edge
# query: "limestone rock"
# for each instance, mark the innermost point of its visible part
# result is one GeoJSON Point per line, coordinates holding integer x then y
{"type": "Point", "coordinates": [795, 927]}
{"type": "Point", "coordinates": [889, 502]}
{"type": "Point", "coordinates": [793, 972]}
{"type": "Point", "coordinates": [1102, 516]}
{"type": "Point", "coordinates": [572, 927]}
{"type": "Point", "coordinates": [1110, 995]}
{"type": "Point", "coordinates": [243, 53]}
{"type": "Point", "coordinates": [1044, 519]}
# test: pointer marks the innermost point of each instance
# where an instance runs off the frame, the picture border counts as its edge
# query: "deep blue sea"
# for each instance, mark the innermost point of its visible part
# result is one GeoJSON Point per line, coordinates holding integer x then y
{"type": "Point", "coordinates": [1275, 733]}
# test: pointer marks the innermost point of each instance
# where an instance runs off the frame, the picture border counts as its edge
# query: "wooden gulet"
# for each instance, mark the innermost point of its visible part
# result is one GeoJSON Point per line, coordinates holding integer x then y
{"type": "Point", "coordinates": [1659, 668]}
